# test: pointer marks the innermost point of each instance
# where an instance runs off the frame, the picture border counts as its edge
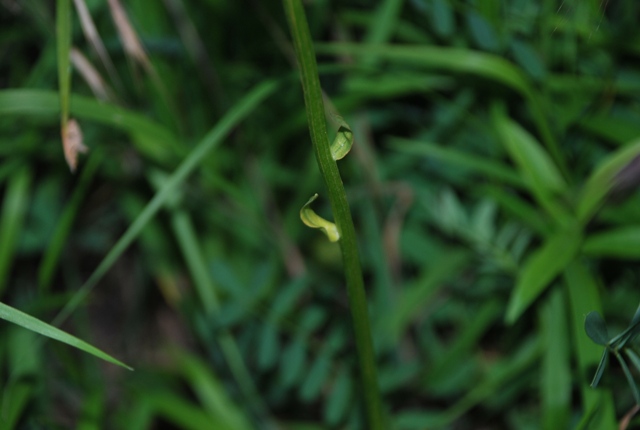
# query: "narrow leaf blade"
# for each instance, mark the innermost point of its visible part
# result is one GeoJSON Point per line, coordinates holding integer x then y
{"type": "Point", "coordinates": [30, 323]}
{"type": "Point", "coordinates": [540, 269]}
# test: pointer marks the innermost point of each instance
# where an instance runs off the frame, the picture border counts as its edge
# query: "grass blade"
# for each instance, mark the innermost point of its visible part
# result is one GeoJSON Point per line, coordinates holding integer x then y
{"type": "Point", "coordinates": [603, 179]}
{"type": "Point", "coordinates": [621, 242]}
{"type": "Point", "coordinates": [481, 165]}
{"type": "Point", "coordinates": [556, 369]}
{"type": "Point", "coordinates": [63, 40]}
{"type": "Point", "coordinates": [163, 147]}
{"type": "Point", "coordinates": [536, 165]}
{"type": "Point", "coordinates": [13, 212]}
{"type": "Point", "coordinates": [30, 323]}
{"type": "Point", "coordinates": [58, 240]}
{"type": "Point", "coordinates": [543, 265]}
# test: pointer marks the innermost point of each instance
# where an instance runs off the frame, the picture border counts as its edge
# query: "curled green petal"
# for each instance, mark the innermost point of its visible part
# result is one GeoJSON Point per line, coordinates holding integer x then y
{"type": "Point", "coordinates": [313, 220]}
{"type": "Point", "coordinates": [342, 143]}
{"type": "Point", "coordinates": [344, 139]}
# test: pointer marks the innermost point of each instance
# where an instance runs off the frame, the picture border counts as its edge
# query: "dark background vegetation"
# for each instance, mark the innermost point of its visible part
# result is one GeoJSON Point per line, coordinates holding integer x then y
{"type": "Point", "coordinates": [459, 226]}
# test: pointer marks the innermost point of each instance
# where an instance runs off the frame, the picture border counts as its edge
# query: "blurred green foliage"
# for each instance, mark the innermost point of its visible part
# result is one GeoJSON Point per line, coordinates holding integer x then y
{"type": "Point", "coordinates": [493, 182]}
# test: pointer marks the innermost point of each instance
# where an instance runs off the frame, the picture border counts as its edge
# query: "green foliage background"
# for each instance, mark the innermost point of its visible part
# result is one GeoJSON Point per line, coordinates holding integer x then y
{"type": "Point", "coordinates": [492, 182]}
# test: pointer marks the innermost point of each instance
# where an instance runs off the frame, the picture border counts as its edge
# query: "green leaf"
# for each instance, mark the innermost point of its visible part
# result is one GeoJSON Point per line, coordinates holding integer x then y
{"type": "Point", "coordinates": [601, 368]}
{"type": "Point", "coordinates": [442, 18]}
{"type": "Point", "coordinates": [65, 223]}
{"type": "Point", "coordinates": [518, 207]}
{"type": "Point", "coordinates": [540, 269]}
{"type": "Point", "coordinates": [622, 242]}
{"type": "Point", "coordinates": [316, 376]}
{"type": "Point", "coordinates": [313, 220]}
{"type": "Point", "coordinates": [293, 362]}
{"type": "Point", "coordinates": [339, 402]}
{"type": "Point", "coordinates": [211, 392]}
{"type": "Point", "coordinates": [30, 323]}
{"type": "Point", "coordinates": [602, 180]}
{"type": "Point", "coordinates": [529, 59]}
{"type": "Point", "coordinates": [417, 295]}
{"type": "Point", "coordinates": [481, 165]}
{"type": "Point", "coordinates": [155, 140]}
{"type": "Point", "coordinates": [616, 130]}
{"type": "Point", "coordinates": [556, 383]}
{"type": "Point", "coordinates": [174, 409]}
{"type": "Point", "coordinates": [268, 346]}
{"type": "Point", "coordinates": [14, 207]}
{"type": "Point", "coordinates": [636, 317]}
{"type": "Point", "coordinates": [533, 161]}
{"type": "Point", "coordinates": [452, 59]}
{"type": "Point", "coordinates": [482, 32]}
{"type": "Point", "coordinates": [538, 170]}
{"type": "Point", "coordinates": [596, 328]}
{"type": "Point", "coordinates": [629, 377]}
{"type": "Point", "coordinates": [635, 360]}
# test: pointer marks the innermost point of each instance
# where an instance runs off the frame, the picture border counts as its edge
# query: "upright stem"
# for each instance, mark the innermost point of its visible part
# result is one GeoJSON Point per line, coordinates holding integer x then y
{"type": "Point", "coordinates": [340, 207]}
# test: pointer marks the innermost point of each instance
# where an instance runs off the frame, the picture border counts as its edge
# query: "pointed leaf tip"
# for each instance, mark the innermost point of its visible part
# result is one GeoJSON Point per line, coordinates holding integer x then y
{"type": "Point", "coordinates": [313, 220]}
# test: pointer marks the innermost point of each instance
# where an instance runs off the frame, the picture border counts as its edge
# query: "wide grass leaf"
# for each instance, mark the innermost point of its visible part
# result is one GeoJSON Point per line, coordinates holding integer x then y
{"type": "Point", "coordinates": [616, 130]}
{"type": "Point", "coordinates": [556, 368]}
{"type": "Point", "coordinates": [455, 158]}
{"type": "Point", "coordinates": [531, 158]}
{"type": "Point", "coordinates": [14, 207]}
{"type": "Point", "coordinates": [540, 269]}
{"type": "Point", "coordinates": [211, 392]}
{"type": "Point", "coordinates": [156, 141]}
{"type": "Point", "coordinates": [622, 242]}
{"type": "Point", "coordinates": [606, 176]}
{"type": "Point", "coordinates": [452, 59]}
{"type": "Point", "coordinates": [20, 318]}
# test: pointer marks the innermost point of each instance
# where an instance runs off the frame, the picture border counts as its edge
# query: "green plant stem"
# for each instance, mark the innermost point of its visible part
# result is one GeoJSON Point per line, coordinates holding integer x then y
{"type": "Point", "coordinates": [340, 207]}
{"type": "Point", "coordinates": [63, 40]}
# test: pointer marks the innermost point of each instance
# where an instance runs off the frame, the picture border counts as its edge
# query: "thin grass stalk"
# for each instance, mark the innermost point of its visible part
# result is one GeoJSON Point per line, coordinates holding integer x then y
{"type": "Point", "coordinates": [340, 208]}
{"type": "Point", "coordinates": [63, 39]}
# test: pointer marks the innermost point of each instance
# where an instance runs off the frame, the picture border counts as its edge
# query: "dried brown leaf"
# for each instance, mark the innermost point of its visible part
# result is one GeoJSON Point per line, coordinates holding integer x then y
{"type": "Point", "coordinates": [90, 75]}
{"type": "Point", "coordinates": [72, 143]}
{"type": "Point", "coordinates": [92, 35]}
{"type": "Point", "coordinates": [128, 35]}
